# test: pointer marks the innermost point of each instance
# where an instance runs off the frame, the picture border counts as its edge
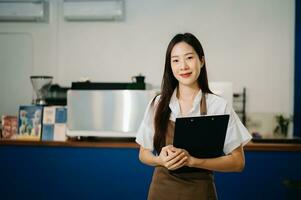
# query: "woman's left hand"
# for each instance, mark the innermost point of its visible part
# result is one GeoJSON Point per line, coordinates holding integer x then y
{"type": "Point", "coordinates": [188, 162]}
{"type": "Point", "coordinates": [179, 159]}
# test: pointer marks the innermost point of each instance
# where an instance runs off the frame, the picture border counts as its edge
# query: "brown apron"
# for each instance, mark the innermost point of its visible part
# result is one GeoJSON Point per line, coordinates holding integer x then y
{"type": "Point", "coordinates": [167, 185]}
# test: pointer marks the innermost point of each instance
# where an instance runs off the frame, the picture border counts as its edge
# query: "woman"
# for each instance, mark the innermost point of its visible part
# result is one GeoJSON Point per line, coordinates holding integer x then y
{"type": "Point", "coordinates": [185, 92]}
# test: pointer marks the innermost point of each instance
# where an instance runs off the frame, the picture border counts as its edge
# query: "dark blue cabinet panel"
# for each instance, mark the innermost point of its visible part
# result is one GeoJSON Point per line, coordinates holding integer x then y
{"type": "Point", "coordinates": [116, 173]}
{"type": "Point", "coordinates": [72, 173]}
{"type": "Point", "coordinates": [262, 177]}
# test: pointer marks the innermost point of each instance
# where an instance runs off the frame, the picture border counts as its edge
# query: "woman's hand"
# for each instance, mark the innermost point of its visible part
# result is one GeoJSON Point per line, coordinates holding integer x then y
{"type": "Point", "coordinates": [189, 158]}
{"type": "Point", "coordinates": [172, 158]}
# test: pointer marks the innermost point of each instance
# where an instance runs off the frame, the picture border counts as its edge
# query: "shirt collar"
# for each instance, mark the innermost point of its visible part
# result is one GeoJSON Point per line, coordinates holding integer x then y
{"type": "Point", "coordinates": [175, 106]}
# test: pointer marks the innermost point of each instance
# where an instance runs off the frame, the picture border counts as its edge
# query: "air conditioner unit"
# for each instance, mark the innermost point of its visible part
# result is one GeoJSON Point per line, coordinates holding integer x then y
{"type": "Point", "coordinates": [26, 10]}
{"type": "Point", "coordinates": [89, 10]}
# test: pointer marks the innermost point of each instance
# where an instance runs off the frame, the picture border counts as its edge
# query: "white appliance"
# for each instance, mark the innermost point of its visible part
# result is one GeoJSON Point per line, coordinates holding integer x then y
{"type": "Point", "coordinates": [106, 113]}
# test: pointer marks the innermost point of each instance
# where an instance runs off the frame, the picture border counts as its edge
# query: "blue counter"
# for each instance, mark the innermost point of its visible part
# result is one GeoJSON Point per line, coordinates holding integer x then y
{"type": "Point", "coordinates": [58, 172]}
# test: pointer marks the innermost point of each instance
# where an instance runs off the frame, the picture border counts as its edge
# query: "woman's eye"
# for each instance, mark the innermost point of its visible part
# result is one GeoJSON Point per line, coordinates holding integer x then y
{"type": "Point", "coordinates": [190, 57]}
{"type": "Point", "coordinates": [174, 61]}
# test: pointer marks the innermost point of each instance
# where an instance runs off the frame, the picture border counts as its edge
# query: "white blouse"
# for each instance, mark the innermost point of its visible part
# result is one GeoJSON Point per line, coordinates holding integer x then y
{"type": "Point", "coordinates": [236, 135]}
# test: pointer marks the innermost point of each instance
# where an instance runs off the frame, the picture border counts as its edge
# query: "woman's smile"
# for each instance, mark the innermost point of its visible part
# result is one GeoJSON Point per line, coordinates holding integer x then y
{"type": "Point", "coordinates": [186, 75]}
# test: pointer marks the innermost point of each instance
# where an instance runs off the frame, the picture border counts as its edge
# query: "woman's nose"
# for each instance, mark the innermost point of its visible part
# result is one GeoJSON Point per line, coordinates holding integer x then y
{"type": "Point", "coordinates": [184, 66]}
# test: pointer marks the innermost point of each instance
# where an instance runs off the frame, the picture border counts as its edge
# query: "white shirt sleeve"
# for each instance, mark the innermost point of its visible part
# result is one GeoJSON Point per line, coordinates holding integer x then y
{"type": "Point", "coordinates": [237, 134]}
{"type": "Point", "coordinates": [145, 134]}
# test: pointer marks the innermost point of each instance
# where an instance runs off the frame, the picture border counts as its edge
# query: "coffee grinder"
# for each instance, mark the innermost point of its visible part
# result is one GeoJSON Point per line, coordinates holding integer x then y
{"type": "Point", "coordinates": [40, 84]}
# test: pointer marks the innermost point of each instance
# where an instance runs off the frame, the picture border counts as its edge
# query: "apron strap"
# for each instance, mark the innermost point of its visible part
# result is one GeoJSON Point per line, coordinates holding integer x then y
{"type": "Point", "coordinates": [203, 104]}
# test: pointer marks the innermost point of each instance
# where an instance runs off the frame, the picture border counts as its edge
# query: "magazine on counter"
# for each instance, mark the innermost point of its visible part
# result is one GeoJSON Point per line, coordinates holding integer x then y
{"type": "Point", "coordinates": [30, 122]}
{"type": "Point", "coordinates": [54, 123]}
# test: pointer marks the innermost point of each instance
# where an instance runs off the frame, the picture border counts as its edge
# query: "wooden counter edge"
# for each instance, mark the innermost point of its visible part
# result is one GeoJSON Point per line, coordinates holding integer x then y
{"type": "Point", "coordinates": [104, 144]}
{"type": "Point", "coordinates": [251, 146]}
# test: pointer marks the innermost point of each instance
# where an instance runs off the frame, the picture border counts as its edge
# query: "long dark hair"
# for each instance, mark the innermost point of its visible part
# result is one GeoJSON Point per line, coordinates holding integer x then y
{"type": "Point", "coordinates": [169, 83]}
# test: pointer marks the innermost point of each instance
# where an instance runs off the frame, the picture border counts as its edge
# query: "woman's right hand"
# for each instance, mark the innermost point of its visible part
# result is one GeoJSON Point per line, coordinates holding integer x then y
{"type": "Point", "coordinates": [172, 158]}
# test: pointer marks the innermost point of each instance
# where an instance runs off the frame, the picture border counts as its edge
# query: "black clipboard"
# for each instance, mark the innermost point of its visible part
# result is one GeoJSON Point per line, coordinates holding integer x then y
{"type": "Point", "coordinates": [202, 136]}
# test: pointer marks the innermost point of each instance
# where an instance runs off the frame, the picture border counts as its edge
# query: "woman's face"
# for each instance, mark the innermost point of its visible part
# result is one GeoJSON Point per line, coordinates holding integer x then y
{"type": "Point", "coordinates": [185, 64]}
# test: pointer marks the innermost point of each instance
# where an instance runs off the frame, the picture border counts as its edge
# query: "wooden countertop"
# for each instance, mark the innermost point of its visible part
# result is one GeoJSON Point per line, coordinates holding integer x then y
{"type": "Point", "coordinates": [251, 146]}
{"type": "Point", "coordinates": [99, 143]}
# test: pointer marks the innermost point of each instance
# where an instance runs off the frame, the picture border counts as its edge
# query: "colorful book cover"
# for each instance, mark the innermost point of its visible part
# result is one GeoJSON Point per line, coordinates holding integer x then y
{"type": "Point", "coordinates": [9, 127]}
{"type": "Point", "coordinates": [54, 123]}
{"type": "Point", "coordinates": [30, 122]}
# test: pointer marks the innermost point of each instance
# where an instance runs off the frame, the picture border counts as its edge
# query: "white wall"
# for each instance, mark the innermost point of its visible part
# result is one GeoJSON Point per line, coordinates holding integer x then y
{"type": "Point", "coordinates": [250, 43]}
